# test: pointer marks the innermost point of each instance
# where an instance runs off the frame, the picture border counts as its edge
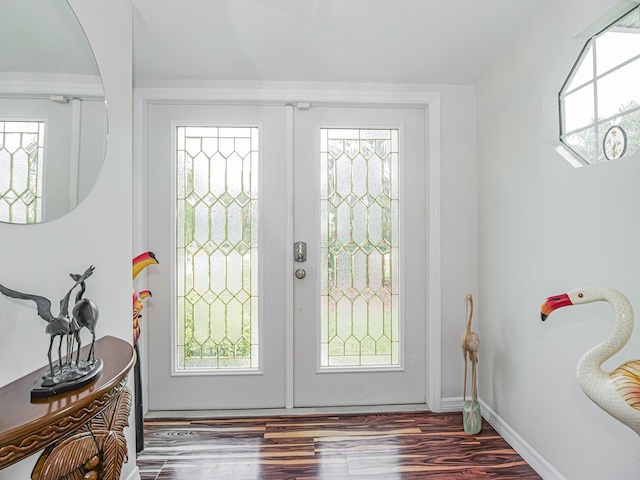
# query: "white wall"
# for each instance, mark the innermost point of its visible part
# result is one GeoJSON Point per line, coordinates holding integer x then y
{"type": "Point", "coordinates": [459, 227]}
{"type": "Point", "coordinates": [39, 258]}
{"type": "Point", "coordinates": [544, 228]}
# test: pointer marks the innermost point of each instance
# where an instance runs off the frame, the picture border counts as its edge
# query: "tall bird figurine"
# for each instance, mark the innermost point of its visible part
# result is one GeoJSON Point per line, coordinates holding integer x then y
{"type": "Point", "coordinates": [470, 345]}
{"type": "Point", "coordinates": [616, 392]}
{"type": "Point", "coordinates": [85, 313]}
{"type": "Point", "coordinates": [139, 263]}
{"type": "Point", "coordinates": [57, 326]}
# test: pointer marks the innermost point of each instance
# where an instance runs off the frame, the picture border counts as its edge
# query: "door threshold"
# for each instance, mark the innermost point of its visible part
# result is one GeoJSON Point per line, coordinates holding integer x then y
{"type": "Point", "coordinates": [279, 412]}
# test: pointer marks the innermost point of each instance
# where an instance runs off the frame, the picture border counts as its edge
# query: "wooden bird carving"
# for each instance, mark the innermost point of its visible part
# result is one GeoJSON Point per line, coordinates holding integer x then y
{"type": "Point", "coordinates": [139, 263]}
{"type": "Point", "coordinates": [470, 345]}
{"type": "Point", "coordinates": [616, 392]}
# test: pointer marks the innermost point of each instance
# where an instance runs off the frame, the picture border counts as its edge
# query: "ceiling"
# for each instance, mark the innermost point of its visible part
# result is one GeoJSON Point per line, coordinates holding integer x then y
{"type": "Point", "coordinates": [204, 41]}
{"type": "Point", "coordinates": [399, 41]}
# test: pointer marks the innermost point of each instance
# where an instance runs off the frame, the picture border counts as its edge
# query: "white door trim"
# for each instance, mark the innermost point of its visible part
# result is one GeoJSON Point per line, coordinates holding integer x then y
{"type": "Point", "coordinates": [325, 95]}
{"type": "Point", "coordinates": [289, 332]}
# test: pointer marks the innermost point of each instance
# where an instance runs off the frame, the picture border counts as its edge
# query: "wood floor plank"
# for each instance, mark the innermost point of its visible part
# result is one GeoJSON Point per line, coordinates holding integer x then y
{"type": "Point", "coordinates": [394, 446]}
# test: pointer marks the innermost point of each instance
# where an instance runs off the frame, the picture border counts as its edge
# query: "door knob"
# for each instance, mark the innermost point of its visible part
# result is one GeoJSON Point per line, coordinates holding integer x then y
{"type": "Point", "coordinates": [300, 273]}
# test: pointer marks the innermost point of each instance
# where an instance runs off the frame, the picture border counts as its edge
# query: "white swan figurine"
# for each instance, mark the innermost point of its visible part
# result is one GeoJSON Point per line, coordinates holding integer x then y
{"type": "Point", "coordinates": [616, 392]}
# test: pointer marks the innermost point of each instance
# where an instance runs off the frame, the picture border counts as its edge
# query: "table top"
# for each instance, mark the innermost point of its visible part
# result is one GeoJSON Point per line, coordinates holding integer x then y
{"type": "Point", "coordinates": [24, 421]}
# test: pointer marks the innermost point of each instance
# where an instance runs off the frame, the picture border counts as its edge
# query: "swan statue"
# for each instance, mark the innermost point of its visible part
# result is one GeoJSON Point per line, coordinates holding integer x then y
{"type": "Point", "coordinates": [616, 392]}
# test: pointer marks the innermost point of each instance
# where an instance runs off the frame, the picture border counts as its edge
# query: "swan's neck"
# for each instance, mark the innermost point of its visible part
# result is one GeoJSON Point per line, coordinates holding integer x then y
{"type": "Point", "coordinates": [83, 289]}
{"type": "Point", "coordinates": [620, 334]}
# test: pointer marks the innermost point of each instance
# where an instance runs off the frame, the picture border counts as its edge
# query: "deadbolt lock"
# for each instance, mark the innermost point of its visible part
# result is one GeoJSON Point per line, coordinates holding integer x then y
{"type": "Point", "coordinates": [300, 252]}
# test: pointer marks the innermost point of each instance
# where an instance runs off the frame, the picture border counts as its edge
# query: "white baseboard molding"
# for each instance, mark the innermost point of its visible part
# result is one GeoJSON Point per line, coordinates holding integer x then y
{"type": "Point", "coordinates": [134, 475]}
{"type": "Point", "coordinates": [267, 412]}
{"type": "Point", "coordinates": [451, 404]}
{"type": "Point", "coordinates": [533, 458]}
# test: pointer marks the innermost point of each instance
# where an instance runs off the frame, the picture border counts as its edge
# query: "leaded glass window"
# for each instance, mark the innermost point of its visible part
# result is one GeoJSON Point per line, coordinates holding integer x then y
{"type": "Point", "coordinates": [600, 100]}
{"type": "Point", "coordinates": [21, 164]}
{"type": "Point", "coordinates": [217, 247]}
{"type": "Point", "coordinates": [359, 247]}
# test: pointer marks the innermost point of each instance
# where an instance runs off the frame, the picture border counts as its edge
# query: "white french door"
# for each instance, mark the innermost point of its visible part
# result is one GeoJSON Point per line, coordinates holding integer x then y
{"type": "Point", "coordinates": [357, 331]}
{"type": "Point", "coordinates": [359, 313]}
{"type": "Point", "coordinates": [216, 207]}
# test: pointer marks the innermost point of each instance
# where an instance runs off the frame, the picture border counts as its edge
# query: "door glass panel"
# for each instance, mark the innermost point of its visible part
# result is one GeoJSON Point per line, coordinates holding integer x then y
{"type": "Point", "coordinates": [359, 247]}
{"type": "Point", "coordinates": [21, 151]}
{"type": "Point", "coordinates": [217, 248]}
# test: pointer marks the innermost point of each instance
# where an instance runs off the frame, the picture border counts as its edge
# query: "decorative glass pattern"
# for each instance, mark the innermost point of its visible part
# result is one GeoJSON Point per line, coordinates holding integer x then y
{"type": "Point", "coordinates": [601, 92]}
{"type": "Point", "coordinates": [359, 247]}
{"type": "Point", "coordinates": [21, 159]}
{"type": "Point", "coordinates": [217, 248]}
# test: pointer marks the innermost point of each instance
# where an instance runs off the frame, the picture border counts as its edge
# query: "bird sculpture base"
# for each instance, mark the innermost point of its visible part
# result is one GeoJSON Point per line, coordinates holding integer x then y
{"type": "Point", "coordinates": [471, 417]}
{"type": "Point", "coordinates": [71, 377]}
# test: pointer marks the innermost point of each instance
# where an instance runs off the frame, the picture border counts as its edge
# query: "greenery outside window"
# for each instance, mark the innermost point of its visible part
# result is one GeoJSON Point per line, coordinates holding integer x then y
{"type": "Point", "coordinates": [600, 100]}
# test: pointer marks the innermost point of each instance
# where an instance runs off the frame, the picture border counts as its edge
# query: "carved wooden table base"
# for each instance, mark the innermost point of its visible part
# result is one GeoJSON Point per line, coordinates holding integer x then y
{"type": "Point", "coordinates": [81, 431]}
{"type": "Point", "coordinates": [97, 449]}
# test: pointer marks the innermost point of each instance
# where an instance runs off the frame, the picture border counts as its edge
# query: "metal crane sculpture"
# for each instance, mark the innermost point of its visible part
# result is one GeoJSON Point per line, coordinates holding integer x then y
{"type": "Point", "coordinates": [85, 313]}
{"type": "Point", "coordinates": [57, 326]}
{"type": "Point", "coordinates": [470, 344]}
{"type": "Point", "coordinates": [616, 392]}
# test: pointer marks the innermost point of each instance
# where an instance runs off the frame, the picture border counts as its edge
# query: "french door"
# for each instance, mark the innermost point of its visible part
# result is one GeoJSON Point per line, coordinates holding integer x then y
{"type": "Point", "coordinates": [359, 202]}
{"type": "Point", "coordinates": [240, 318]}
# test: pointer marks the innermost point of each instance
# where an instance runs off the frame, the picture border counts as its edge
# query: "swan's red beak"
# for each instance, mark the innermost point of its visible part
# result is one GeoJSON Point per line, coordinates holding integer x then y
{"type": "Point", "coordinates": [553, 303]}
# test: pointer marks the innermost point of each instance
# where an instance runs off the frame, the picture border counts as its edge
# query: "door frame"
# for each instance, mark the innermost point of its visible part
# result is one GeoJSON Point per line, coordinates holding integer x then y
{"type": "Point", "coordinates": [303, 98]}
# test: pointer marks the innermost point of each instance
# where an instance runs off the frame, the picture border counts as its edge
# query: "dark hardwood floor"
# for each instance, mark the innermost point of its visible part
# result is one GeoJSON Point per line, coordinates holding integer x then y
{"type": "Point", "coordinates": [394, 446]}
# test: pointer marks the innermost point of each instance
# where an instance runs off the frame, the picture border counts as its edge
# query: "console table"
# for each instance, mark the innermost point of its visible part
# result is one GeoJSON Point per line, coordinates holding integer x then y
{"type": "Point", "coordinates": [81, 431]}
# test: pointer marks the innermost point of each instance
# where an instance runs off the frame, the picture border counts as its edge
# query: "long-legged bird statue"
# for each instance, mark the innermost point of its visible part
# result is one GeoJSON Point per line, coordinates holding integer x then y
{"type": "Point", "coordinates": [57, 326]}
{"type": "Point", "coordinates": [470, 344]}
{"type": "Point", "coordinates": [85, 313]}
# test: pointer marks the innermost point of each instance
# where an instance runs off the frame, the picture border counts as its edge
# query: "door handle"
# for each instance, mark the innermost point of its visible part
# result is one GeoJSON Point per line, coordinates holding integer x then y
{"type": "Point", "coordinates": [300, 252]}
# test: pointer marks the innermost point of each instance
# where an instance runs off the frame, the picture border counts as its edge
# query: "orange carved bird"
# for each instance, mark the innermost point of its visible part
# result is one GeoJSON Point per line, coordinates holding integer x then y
{"type": "Point", "coordinates": [140, 263]}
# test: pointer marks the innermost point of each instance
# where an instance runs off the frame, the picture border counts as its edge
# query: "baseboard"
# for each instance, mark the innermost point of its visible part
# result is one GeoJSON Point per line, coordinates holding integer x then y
{"type": "Point", "coordinates": [135, 474]}
{"type": "Point", "coordinates": [451, 404]}
{"type": "Point", "coordinates": [363, 409]}
{"type": "Point", "coordinates": [533, 458]}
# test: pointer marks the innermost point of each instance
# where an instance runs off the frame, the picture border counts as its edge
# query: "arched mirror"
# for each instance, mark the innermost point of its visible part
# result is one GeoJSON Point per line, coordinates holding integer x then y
{"type": "Point", "coordinates": [53, 116]}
